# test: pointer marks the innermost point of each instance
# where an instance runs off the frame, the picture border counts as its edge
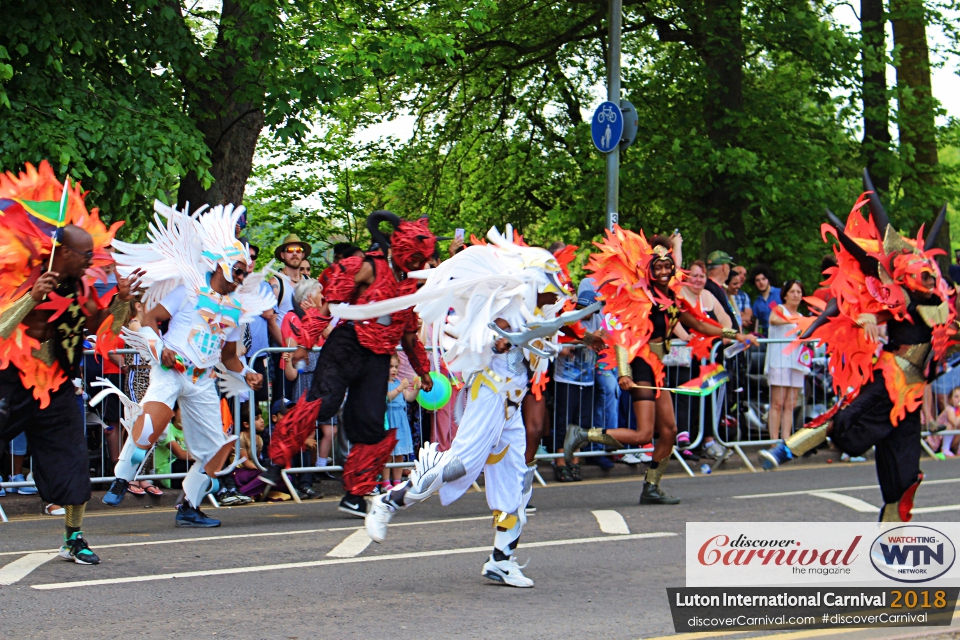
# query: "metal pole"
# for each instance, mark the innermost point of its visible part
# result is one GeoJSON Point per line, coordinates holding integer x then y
{"type": "Point", "coordinates": [614, 20]}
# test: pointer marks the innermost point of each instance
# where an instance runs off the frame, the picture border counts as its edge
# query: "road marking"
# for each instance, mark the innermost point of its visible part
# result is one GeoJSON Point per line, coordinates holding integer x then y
{"type": "Point", "coordinates": [856, 504]}
{"type": "Point", "coordinates": [21, 567]}
{"type": "Point", "coordinates": [809, 491]}
{"type": "Point", "coordinates": [948, 507]}
{"type": "Point", "coordinates": [352, 546]}
{"type": "Point", "coordinates": [323, 563]}
{"type": "Point", "coordinates": [251, 535]}
{"type": "Point", "coordinates": [611, 522]}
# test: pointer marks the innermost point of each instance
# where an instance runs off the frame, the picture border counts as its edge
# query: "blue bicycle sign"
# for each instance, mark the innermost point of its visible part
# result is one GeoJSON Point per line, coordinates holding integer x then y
{"type": "Point", "coordinates": [607, 127]}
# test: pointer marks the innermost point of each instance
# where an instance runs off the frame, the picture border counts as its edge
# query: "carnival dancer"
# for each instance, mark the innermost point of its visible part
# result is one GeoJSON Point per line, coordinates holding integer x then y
{"type": "Point", "coordinates": [505, 301]}
{"type": "Point", "coordinates": [882, 278]}
{"type": "Point", "coordinates": [640, 285]}
{"type": "Point", "coordinates": [197, 274]}
{"type": "Point", "coordinates": [45, 305]}
{"type": "Point", "coordinates": [355, 359]}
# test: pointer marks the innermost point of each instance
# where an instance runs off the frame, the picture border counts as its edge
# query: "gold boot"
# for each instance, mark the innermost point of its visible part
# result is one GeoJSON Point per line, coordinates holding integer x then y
{"type": "Point", "coordinates": [598, 436]}
{"type": "Point", "coordinates": [807, 439]}
{"type": "Point", "coordinates": [891, 512]}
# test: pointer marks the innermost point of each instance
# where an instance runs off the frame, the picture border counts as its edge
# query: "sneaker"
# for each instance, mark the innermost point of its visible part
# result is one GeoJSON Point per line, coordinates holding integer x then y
{"type": "Point", "coordinates": [354, 505]}
{"type": "Point", "coordinates": [862, 459]}
{"type": "Point", "coordinates": [75, 548]}
{"type": "Point", "coordinates": [272, 476]}
{"type": "Point", "coordinates": [229, 497]}
{"type": "Point", "coordinates": [530, 510]}
{"type": "Point", "coordinates": [631, 458]}
{"type": "Point", "coordinates": [115, 494]}
{"type": "Point", "coordinates": [506, 572]}
{"type": "Point", "coordinates": [3, 491]}
{"type": "Point", "coordinates": [690, 455]}
{"type": "Point", "coordinates": [244, 499]}
{"type": "Point", "coordinates": [646, 458]}
{"type": "Point", "coordinates": [716, 451]}
{"type": "Point", "coordinates": [307, 493]}
{"type": "Point", "coordinates": [188, 516]}
{"type": "Point", "coordinates": [24, 491]}
{"type": "Point", "coordinates": [651, 494]}
{"type": "Point", "coordinates": [378, 517]}
{"type": "Point", "coordinates": [683, 439]}
{"type": "Point", "coordinates": [775, 456]}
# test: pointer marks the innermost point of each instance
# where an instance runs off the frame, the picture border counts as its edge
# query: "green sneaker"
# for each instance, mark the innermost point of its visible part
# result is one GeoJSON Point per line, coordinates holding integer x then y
{"type": "Point", "coordinates": [75, 548]}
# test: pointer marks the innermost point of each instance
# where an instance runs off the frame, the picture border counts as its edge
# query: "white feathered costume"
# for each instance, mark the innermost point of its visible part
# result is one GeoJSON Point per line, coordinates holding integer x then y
{"type": "Point", "coordinates": [461, 299]}
{"type": "Point", "coordinates": [183, 252]}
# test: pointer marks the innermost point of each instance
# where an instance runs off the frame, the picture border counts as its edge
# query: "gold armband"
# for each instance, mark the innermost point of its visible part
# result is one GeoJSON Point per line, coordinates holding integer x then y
{"type": "Point", "coordinates": [15, 314]}
{"type": "Point", "coordinates": [729, 334]}
{"type": "Point", "coordinates": [120, 311]}
{"type": "Point", "coordinates": [623, 363]}
{"type": "Point", "coordinates": [866, 318]}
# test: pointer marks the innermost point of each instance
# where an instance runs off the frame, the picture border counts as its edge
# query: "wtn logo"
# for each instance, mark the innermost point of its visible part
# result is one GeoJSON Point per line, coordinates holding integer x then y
{"type": "Point", "coordinates": [912, 554]}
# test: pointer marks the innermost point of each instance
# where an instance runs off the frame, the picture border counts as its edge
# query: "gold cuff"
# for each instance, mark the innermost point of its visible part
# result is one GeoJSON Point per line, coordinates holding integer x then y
{"type": "Point", "coordinates": [14, 314]}
{"type": "Point", "coordinates": [729, 334]}
{"type": "Point", "coordinates": [598, 436]}
{"type": "Point", "coordinates": [654, 475]}
{"type": "Point", "coordinates": [804, 439]}
{"type": "Point", "coordinates": [503, 520]}
{"type": "Point", "coordinates": [865, 318]}
{"type": "Point", "coordinates": [623, 363]}
{"type": "Point", "coordinates": [120, 311]}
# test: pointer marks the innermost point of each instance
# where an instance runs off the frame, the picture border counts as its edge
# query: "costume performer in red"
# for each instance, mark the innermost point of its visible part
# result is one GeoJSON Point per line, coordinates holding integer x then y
{"type": "Point", "coordinates": [881, 278]}
{"type": "Point", "coordinates": [356, 357]}
{"type": "Point", "coordinates": [44, 309]}
{"type": "Point", "coordinates": [640, 286]}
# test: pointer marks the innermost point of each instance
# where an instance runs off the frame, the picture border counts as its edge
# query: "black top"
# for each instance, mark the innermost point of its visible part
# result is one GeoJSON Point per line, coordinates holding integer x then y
{"type": "Point", "coordinates": [904, 332]}
{"type": "Point", "coordinates": [721, 295]}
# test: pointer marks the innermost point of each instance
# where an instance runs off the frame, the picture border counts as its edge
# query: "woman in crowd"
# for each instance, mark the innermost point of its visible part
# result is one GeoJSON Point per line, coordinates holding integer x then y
{"type": "Point", "coordinates": [785, 367]}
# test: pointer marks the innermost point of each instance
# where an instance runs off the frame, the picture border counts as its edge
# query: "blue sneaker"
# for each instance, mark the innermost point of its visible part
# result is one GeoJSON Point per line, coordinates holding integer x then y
{"type": "Point", "coordinates": [3, 492]}
{"type": "Point", "coordinates": [775, 456]}
{"type": "Point", "coordinates": [76, 548]}
{"type": "Point", "coordinates": [188, 516]}
{"type": "Point", "coordinates": [116, 493]}
{"type": "Point", "coordinates": [24, 491]}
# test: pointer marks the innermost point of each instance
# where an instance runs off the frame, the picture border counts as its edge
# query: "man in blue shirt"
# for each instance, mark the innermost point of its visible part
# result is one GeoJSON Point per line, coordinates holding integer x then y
{"type": "Point", "coordinates": [767, 297]}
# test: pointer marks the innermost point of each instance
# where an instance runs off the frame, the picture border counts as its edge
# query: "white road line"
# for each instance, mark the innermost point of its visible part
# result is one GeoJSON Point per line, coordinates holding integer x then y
{"type": "Point", "coordinates": [238, 536]}
{"type": "Point", "coordinates": [21, 567]}
{"type": "Point", "coordinates": [323, 563]}
{"type": "Point", "coordinates": [352, 546]}
{"type": "Point", "coordinates": [611, 522]}
{"type": "Point", "coordinates": [856, 504]}
{"type": "Point", "coordinates": [809, 491]}
{"type": "Point", "coordinates": [948, 507]}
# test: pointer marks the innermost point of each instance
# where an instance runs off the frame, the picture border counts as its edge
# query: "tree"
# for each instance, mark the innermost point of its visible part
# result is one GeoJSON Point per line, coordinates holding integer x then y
{"type": "Point", "coordinates": [876, 108]}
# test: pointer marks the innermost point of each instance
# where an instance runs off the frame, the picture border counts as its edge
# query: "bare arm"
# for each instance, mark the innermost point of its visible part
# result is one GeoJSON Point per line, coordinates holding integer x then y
{"type": "Point", "coordinates": [232, 362]}
{"type": "Point", "coordinates": [707, 328]}
{"type": "Point", "coordinates": [722, 317]}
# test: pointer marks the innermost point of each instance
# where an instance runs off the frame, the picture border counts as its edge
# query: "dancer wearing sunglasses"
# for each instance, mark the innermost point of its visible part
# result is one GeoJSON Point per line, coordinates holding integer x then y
{"type": "Point", "coordinates": [198, 284]}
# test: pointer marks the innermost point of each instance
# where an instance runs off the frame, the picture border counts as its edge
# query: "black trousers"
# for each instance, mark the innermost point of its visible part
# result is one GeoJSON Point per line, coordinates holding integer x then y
{"type": "Point", "coordinates": [347, 366]}
{"type": "Point", "coordinates": [57, 442]}
{"type": "Point", "coordinates": [866, 423]}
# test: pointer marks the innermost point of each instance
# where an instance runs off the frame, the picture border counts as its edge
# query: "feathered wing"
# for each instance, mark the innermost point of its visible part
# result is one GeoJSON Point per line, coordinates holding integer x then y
{"type": "Point", "coordinates": [254, 299]}
{"type": "Point", "coordinates": [171, 257]}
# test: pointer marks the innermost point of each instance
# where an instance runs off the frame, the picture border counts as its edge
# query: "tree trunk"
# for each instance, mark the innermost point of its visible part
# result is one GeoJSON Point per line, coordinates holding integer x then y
{"type": "Point", "coordinates": [230, 126]}
{"type": "Point", "coordinates": [876, 122]}
{"type": "Point", "coordinates": [916, 117]}
{"type": "Point", "coordinates": [720, 46]}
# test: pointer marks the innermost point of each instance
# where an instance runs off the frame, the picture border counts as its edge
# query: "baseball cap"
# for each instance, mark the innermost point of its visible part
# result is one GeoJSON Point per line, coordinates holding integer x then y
{"type": "Point", "coordinates": [717, 258]}
{"type": "Point", "coordinates": [280, 406]}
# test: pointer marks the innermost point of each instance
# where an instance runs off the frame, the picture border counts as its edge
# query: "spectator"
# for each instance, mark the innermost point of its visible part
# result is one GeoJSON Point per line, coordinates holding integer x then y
{"type": "Point", "coordinates": [170, 455]}
{"type": "Point", "coordinates": [341, 250]}
{"type": "Point", "coordinates": [718, 272]}
{"type": "Point", "coordinates": [291, 252]}
{"type": "Point", "coordinates": [18, 449]}
{"type": "Point", "coordinates": [739, 300]}
{"type": "Point", "coordinates": [785, 367]}
{"type": "Point", "coordinates": [247, 475]}
{"type": "Point", "coordinates": [829, 261]}
{"type": "Point", "coordinates": [954, 270]}
{"type": "Point", "coordinates": [767, 298]}
{"type": "Point", "coordinates": [261, 332]}
{"type": "Point", "coordinates": [399, 393]}
{"type": "Point", "coordinates": [606, 391]}
{"type": "Point", "coordinates": [304, 268]}
{"type": "Point", "coordinates": [136, 374]}
{"type": "Point", "coordinates": [697, 294]}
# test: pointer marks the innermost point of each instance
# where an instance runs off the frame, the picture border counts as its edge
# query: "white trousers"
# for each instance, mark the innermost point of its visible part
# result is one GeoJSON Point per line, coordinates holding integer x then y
{"type": "Point", "coordinates": [485, 433]}
{"type": "Point", "coordinates": [199, 409]}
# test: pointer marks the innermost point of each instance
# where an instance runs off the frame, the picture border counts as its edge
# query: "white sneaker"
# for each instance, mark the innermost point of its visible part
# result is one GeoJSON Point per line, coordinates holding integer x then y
{"type": "Point", "coordinates": [646, 457]}
{"type": "Point", "coordinates": [631, 458]}
{"type": "Point", "coordinates": [507, 572]}
{"type": "Point", "coordinates": [378, 517]}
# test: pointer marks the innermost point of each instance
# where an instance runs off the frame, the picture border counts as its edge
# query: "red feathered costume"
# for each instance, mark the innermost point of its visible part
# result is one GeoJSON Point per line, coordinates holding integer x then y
{"type": "Point", "coordinates": [356, 356]}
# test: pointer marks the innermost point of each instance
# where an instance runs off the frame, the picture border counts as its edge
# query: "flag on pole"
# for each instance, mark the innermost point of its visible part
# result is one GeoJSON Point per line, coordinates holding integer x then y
{"type": "Point", "coordinates": [48, 215]}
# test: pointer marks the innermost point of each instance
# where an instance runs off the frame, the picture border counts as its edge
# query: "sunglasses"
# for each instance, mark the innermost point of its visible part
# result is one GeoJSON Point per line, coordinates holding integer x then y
{"type": "Point", "coordinates": [294, 250]}
{"type": "Point", "coordinates": [239, 272]}
{"type": "Point", "coordinates": [87, 255]}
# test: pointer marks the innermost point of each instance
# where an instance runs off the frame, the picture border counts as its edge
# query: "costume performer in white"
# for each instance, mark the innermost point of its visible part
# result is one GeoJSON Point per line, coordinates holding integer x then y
{"type": "Point", "coordinates": [199, 284]}
{"type": "Point", "coordinates": [505, 301]}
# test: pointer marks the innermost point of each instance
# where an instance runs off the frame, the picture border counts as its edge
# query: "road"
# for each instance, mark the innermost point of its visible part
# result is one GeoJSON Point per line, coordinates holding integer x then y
{"type": "Point", "coordinates": [600, 561]}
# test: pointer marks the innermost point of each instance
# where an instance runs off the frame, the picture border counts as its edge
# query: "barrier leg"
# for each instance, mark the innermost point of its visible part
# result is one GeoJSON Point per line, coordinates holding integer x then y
{"type": "Point", "coordinates": [743, 456]}
{"type": "Point", "coordinates": [477, 487]}
{"type": "Point", "coordinates": [293, 492]}
{"type": "Point", "coordinates": [926, 447]}
{"type": "Point", "coordinates": [683, 463]}
{"type": "Point", "coordinates": [3, 516]}
{"type": "Point", "coordinates": [213, 501]}
{"type": "Point", "coordinates": [539, 478]}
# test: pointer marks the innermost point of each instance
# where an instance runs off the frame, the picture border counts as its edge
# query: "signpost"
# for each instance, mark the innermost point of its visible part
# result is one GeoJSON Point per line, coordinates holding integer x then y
{"type": "Point", "coordinates": [607, 127]}
{"type": "Point", "coordinates": [614, 22]}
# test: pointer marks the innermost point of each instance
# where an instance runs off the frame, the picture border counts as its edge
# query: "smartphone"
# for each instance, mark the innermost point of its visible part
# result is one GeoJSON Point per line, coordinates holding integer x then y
{"type": "Point", "coordinates": [458, 235]}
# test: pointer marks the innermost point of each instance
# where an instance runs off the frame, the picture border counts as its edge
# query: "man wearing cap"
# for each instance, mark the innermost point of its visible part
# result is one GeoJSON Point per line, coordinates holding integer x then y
{"type": "Point", "coordinates": [718, 269]}
{"type": "Point", "coordinates": [291, 252]}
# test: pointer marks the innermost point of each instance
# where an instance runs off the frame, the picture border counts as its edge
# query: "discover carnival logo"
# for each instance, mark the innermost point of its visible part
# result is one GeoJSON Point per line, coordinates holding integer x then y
{"type": "Point", "coordinates": [912, 554]}
{"type": "Point", "coordinates": [743, 550]}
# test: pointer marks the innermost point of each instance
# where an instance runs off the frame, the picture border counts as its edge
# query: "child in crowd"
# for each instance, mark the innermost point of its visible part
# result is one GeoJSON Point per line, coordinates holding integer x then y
{"type": "Point", "coordinates": [399, 393]}
{"type": "Point", "coordinates": [137, 373]}
{"type": "Point", "coordinates": [246, 476]}
{"type": "Point", "coordinates": [950, 419]}
{"type": "Point", "coordinates": [170, 455]}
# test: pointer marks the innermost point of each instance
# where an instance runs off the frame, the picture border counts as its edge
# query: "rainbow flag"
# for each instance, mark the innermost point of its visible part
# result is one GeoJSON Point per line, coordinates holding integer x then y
{"type": "Point", "coordinates": [711, 377]}
{"type": "Point", "coordinates": [48, 215]}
